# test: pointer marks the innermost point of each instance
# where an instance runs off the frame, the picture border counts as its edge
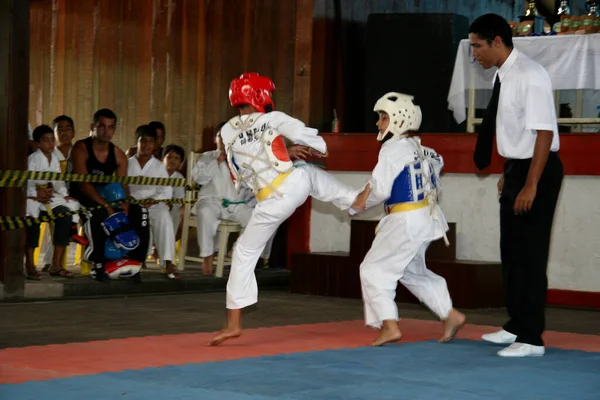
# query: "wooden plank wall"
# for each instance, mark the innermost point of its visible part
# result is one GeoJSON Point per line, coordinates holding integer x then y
{"type": "Point", "coordinates": [243, 36]}
{"type": "Point", "coordinates": [339, 35]}
{"type": "Point", "coordinates": [167, 60]}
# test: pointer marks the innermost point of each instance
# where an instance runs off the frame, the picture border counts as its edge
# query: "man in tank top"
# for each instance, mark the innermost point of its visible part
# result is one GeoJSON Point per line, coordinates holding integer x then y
{"type": "Point", "coordinates": [96, 155]}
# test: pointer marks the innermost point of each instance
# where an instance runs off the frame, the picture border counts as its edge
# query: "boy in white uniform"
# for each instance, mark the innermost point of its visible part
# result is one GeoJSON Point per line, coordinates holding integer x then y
{"type": "Point", "coordinates": [218, 199]}
{"type": "Point", "coordinates": [143, 163]}
{"type": "Point", "coordinates": [49, 198]}
{"type": "Point", "coordinates": [64, 131]}
{"type": "Point", "coordinates": [174, 156]}
{"type": "Point", "coordinates": [406, 178]}
{"type": "Point", "coordinates": [258, 159]}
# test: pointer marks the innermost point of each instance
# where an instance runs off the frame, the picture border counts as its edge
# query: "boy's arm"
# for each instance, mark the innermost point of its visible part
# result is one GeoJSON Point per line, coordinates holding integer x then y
{"type": "Point", "coordinates": [31, 191]}
{"type": "Point", "coordinates": [122, 163]}
{"type": "Point", "coordinates": [61, 188]}
{"type": "Point", "coordinates": [379, 188]}
{"type": "Point", "coordinates": [435, 159]}
{"type": "Point", "coordinates": [41, 195]}
{"type": "Point", "coordinates": [296, 131]}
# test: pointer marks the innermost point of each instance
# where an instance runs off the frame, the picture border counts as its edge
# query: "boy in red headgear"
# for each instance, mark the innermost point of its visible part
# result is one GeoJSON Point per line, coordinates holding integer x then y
{"type": "Point", "coordinates": [258, 159]}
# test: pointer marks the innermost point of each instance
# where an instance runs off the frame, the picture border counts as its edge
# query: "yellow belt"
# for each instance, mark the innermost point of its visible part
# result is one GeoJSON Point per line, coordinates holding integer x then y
{"type": "Point", "coordinates": [401, 207]}
{"type": "Point", "coordinates": [267, 190]}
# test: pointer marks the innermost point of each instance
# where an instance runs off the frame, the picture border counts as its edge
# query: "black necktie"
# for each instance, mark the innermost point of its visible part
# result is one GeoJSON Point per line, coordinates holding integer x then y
{"type": "Point", "coordinates": [485, 138]}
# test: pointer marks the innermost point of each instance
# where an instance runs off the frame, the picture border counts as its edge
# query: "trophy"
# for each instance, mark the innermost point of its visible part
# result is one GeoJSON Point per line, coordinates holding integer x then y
{"type": "Point", "coordinates": [564, 8]}
{"type": "Point", "coordinates": [532, 14]}
{"type": "Point", "coordinates": [531, 10]}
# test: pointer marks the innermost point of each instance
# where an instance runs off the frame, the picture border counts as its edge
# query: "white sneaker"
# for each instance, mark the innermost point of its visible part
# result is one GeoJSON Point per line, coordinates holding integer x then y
{"type": "Point", "coordinates": [500, 337]}
{"type": "Point", "coordinates": [522, 350]}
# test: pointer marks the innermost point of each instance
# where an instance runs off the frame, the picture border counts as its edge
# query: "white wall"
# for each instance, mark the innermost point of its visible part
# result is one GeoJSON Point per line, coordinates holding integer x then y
{"type": "Point", "coordinates": [472, 203]}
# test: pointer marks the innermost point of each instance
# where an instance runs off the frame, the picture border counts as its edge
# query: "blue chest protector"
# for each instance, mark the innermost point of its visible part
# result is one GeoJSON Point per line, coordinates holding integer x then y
{"type": "Point", "coordinates": [409, 185]}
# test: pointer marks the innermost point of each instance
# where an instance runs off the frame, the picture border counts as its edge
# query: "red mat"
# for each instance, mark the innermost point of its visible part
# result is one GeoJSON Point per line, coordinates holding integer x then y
{"type": "Point", "coordinates": [66, 360]}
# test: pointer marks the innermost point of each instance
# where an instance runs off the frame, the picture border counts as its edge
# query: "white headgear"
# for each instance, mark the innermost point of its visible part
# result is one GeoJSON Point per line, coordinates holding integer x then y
{"type": "Point", "coordinates": [404, 114]}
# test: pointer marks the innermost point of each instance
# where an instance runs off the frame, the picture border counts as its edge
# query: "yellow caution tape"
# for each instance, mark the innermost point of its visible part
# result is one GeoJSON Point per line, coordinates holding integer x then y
{"type": "Point", "coordinates": [19, 179]}
{"type": "Point", "coordinates": [11, 223]}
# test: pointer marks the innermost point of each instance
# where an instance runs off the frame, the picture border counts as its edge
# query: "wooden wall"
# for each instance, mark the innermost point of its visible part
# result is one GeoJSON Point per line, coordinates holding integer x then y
{"type": "Point", "coordinates": [167, 60]}
{"type": "Point", "coordinates": [339, 34]}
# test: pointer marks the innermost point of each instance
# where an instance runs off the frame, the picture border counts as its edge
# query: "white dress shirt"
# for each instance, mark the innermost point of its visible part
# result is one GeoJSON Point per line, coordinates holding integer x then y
{"type": "Point", "coordinates": [525, 106]}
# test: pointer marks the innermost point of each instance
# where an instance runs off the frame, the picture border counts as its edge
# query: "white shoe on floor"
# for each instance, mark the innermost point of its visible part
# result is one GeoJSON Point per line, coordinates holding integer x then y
{"type": "Point", "coordinates": [522, 350]}
{"type": "Point", "coordinates": [500, 337]}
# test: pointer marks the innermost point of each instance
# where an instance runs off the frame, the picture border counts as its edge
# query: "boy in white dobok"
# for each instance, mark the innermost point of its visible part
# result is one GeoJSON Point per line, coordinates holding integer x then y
{"type": "Point", "coordinates": [406, 180]}
{"type": "Point", "coordinates": [144, 164]}
{"type": "Point", "coordinates": [219, 200]}
{"type": "Point", "coordinates": [258, 159]}
{"type": "Point", "coordinates": [174, 156]}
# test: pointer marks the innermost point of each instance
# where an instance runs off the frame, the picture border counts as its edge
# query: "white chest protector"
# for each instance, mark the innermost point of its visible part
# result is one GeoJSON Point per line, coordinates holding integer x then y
{"type": "Point", "coordinates": [256, 153]}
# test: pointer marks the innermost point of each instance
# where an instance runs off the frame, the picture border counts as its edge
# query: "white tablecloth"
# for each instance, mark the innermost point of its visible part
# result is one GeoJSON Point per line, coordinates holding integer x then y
{"type": "Point", "coordinates": [573, 62]}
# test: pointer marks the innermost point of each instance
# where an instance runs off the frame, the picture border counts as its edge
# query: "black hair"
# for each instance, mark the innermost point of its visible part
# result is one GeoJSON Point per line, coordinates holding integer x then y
{"type": "Point", "coordinates": [41, 131]}
{"type": "Point", "coordinates": [106, 113]}
{"type": "Point", "coordinates": [175, 149]}
{"type": "Point", "coordinates": [219, 127]}
{"type": "Point", "coordinates": [158, 125]}
{"type": "Point", "coordinates": [145, 131]}
{"type": "Point", "coordinates": [60, 118]}
{"type": "Point", "coordinates": [488, 26]}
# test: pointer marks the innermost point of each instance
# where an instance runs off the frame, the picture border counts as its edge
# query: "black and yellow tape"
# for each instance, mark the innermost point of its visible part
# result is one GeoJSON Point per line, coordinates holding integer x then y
{"type": "Point", "coordinates": [20, 178]}
{"type": "Point", "coordinates": [11, 223]}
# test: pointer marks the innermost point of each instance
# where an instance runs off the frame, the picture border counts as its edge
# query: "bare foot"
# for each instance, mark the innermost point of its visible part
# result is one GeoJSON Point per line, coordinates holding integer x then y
{"type": "Point", "coordinates": [223, 335]}
{"type": "Point", "coordinates": [389, 333]}
{"type": "Point", "coordinates": [455, 321]}
{"type": "Point", "coordinates": [207, 266]}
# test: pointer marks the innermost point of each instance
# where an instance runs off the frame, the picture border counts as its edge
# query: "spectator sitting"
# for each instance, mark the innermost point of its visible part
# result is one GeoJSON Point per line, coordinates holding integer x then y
{"type": "Point", "coordinates": [174, 156]}
{"type": "Point", "coordinates": [47, 199]}
{"type": "Point", "coordinates": [64, 131]}
{"type": "Point", "coordinates": [145, 164]}
{"type": "Point", "coordinates": [160, 139]}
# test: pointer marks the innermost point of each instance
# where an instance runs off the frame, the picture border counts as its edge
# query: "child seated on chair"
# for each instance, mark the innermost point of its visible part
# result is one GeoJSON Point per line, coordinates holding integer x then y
{"type": "Point", "coordinates": [143, 163]}
{"type": "Point", "coordinates": [173, 159]}
{"type": "Point", "coordinates": [49, 198]}
{"type": "Point", "coordinates": [64, 132]}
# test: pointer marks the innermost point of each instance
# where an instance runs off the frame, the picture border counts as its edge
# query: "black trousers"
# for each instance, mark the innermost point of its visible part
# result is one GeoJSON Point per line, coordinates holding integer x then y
{"type": "Point", "coordinates": [138, 218]}
{"type": "Point", "coordinates": [62, 230]}
{"type": "Point", "coordinates": [524, 247]}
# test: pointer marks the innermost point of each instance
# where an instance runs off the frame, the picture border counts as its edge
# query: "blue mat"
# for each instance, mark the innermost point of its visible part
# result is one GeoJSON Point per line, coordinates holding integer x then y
{"type": "Point", "coordinates": [462, 370]}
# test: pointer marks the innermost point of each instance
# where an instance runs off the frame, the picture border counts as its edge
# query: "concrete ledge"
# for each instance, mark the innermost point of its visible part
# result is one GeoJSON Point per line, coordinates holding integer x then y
{"type": "Point", "coordinates": [39, 290]}
{"type": "Point", "coordinates": [152, 282]}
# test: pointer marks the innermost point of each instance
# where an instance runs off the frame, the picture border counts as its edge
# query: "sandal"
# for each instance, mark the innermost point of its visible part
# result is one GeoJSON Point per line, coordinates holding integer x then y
{"type": "Point", "coordinates": [63, 273]}
{"type": "Point", "coordinates": [33, 276]}
{"type": "Point", "coordinates": [173, 274]}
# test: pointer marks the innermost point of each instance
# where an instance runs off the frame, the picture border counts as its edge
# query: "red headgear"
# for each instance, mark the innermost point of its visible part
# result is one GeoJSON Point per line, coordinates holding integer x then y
{"type": "Point", "coordinates": [250, 88]}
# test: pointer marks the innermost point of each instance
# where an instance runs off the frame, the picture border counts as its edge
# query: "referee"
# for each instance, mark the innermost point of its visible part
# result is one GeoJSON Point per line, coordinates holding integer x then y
{"type": "Point", "coordinates": [521, 113]}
